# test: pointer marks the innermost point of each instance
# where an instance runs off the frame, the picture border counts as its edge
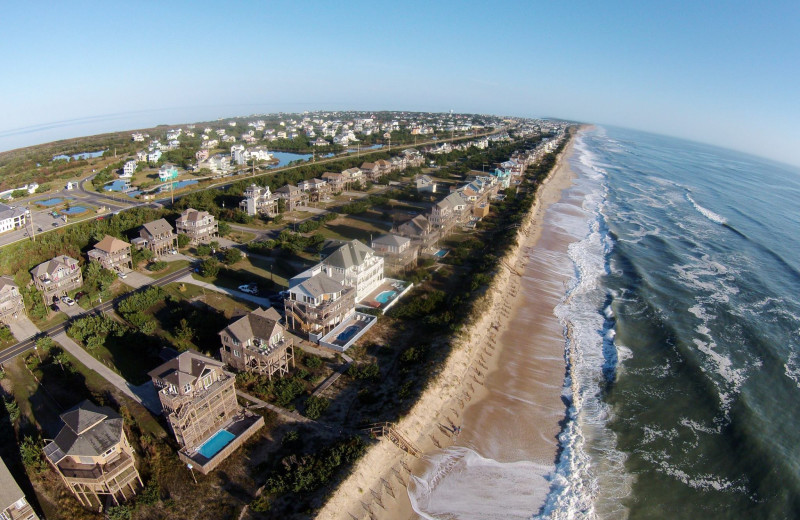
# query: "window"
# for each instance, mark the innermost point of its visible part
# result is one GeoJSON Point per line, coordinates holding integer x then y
{"type": "Point", "coordinates": [109, 452]}
{"type": "Point", "coordinates": [187, 388]}
{"type": "Point", "coordinates": [235, 352]}
{"type": "Point", "coordinates": [208, 381]}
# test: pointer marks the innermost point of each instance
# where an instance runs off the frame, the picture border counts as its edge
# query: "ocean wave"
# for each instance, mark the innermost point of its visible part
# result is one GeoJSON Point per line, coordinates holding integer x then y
{"type": "Point", "coordinates": [710, 215]}
{"type": "Point", "coordinates": [700, 481]}
{"type": "Point", "coordinates": [586, 486]}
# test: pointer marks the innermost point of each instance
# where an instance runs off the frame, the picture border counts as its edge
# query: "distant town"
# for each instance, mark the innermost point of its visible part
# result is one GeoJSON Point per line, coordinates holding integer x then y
{"type": "Point", "coordinates": [208, 320]}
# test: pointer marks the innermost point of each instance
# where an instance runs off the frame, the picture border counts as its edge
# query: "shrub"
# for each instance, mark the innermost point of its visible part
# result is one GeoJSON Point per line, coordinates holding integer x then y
{"type": "Point", "coordinates": [312, 361]}
{"type": "Point", "coordinates": [315, 406]}
{"type": "Point", "coordinates": [368, 371]}
{"type": "Point", "coordinates": [5, 333]}
{"type": "Point", "coordinates": [157, 266]}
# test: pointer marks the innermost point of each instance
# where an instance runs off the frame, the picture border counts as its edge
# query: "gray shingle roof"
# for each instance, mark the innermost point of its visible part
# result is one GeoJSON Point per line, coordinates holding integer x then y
{"type": "Point", "coordinates": [351, 254]}
{"type": "Point", "coordinates": [261, 323]}
{"type": "Point", "coordinates": [183, 369]}
{"type": "Point", "coordinates": [9, 489]}
{"type": "Point", "coordinates": [6, 281]}
{"type": "Point", "coordinates": [320, 284]}
{"type": "Point", "coordinates": [52, 265]}
{"type": "Point", "coordinates": [89, 430]}
{"type": "Point", "coordinates": [391, 240]}
{"type": "Point", "coordinates": [158, 227]}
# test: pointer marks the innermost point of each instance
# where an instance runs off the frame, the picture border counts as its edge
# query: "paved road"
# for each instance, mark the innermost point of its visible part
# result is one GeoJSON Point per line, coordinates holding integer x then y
{"type": "Point", "coordinates": [28, 344]}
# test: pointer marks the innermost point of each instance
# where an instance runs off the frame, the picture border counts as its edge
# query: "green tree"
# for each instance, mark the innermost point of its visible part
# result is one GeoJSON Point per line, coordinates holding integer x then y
{"type": "Point", "coordinates": [13, 410]}
{"type": "Point", "coordinates": [224, 228]}
{"type": "Point", "coordinates": [31, 452]}
{"type": "Point", "coordinates": [209, 268]}
{"type": "Point", "coordinates": [183, 240]}
{"type": "Point", "coordinates": [5, 333]}
{"type": "Point", "coordinates": [203, 249]}
{"type": "Point", "coordinates": [231, 256]}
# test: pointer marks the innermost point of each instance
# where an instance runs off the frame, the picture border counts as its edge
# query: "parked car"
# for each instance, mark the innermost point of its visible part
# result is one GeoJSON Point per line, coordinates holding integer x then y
{"type": "Point", "coordinates": [174, 252]}
{"type": "Point", "coordinates": [79, 295]}
{"type": "Point", "coordinates": [67, 300]}
{"type": "Point", "coordinates": [249, 288]}
{"type": "Point", "coordinates": [122, 275]}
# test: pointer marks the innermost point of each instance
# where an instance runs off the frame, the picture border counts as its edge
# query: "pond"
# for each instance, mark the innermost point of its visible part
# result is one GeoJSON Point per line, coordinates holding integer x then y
{"type": "Point", "coordinates": [285, 158]}
{"type": "Point", "coordinates": [74, 210]}
{"type": "Point", "coordinates": [50, 202]}
{"type": "Point", "coordinates": [78, 156]}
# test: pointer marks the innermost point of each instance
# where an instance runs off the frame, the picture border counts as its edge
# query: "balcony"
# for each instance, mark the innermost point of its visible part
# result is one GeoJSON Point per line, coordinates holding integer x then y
{"type": "Point", "coordinates": [93, 472]}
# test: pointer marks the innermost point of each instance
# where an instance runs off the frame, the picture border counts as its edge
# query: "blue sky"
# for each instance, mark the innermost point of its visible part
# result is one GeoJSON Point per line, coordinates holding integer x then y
{"type": "Point", "coordinates": [726, 73]}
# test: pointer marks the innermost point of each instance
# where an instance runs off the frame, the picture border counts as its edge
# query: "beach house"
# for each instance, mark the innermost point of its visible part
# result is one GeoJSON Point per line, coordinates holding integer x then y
{"type": "Point", "coordinates": [259, 200]}
{"type": "Point", "coordinates": [157, 236]}
{"type": "Point", "coordinates": [93, 456]}
{"type": "Point", "coordinates": [317, 303]}
{"type": "Point", "coordinates": [113, 254]}
{"type": "Point", "coordinates": [12, 217]}
{"type": "Point", "coordinates": [167, 172]}
{"type": "Point", "coordinates": [294, 196]}
{"type": "Point", "coordinates": [397, 251]}
{"type": "Point", "coordinates": [57, 277]}
{"type": "Point", "coordinates": [11, 304]}
{"type": "Point", "coordinates": [13, 505]}
{"type": "Point", "coordinates": [257, 342]}
{"type": "Point", "coordinates": [198, 399]}
{"type": "Point", "coordinates": [199, 226]}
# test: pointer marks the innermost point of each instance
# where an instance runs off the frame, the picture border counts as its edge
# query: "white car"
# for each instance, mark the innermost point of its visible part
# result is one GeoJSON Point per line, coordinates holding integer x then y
{"type": "Point", "coordinates": [67, 300]}
{"type": "Point", "coordinates": [249, 289]}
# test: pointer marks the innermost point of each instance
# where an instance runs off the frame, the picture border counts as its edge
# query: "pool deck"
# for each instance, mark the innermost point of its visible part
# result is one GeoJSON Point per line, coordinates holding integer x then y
{"type": "Point", "coordinates": [243, 426]}
{"type": "Point", "coordinates": [388, 284]}
{"type": "Point", "coordinates": [361, 320]}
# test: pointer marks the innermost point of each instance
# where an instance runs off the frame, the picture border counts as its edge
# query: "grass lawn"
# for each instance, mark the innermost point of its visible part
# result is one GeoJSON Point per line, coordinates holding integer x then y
{"type": "Point", "coordinates": [349, 228]}
{"type": "Point", "coordinates": [171, 268]}
{"type": "Point", "coordinates": [219, 301]}
{"type": "Point", "coordinates": [240, 236]}
{"type": "Point", "coordinates": [54, 318]}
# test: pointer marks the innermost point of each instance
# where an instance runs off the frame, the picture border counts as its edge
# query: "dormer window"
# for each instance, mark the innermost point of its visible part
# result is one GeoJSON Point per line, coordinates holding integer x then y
{"type": "Point", "coordinates": [187, 388]}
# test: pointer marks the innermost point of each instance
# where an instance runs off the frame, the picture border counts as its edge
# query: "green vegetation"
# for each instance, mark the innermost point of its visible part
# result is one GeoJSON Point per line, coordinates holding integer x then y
{"type": "Point", "coordinates": [316, 406]}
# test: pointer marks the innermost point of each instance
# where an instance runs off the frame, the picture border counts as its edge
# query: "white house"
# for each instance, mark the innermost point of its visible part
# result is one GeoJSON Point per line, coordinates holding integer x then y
{"type": "Point", "coordinates": [129, 169]}
{"type": "Point", "coordinates": [12, 217]}
{"type": "Point", "coordinates": [154, 156]}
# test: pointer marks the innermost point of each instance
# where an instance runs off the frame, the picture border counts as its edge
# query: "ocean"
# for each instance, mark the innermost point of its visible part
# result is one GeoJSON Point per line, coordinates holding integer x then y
{"type": "Point", "coordinates": [681, 333]}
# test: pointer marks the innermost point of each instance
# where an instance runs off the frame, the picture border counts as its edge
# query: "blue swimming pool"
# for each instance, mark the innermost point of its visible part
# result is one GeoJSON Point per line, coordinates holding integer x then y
{"type": "Point", "coordinates": [385, 296]}
{"type": "Point", "coordinates": [441, 253]}
{"type": "Point", "coordinates": [348, 333]}
{"type": "Point", "coordinates": [213, 445]}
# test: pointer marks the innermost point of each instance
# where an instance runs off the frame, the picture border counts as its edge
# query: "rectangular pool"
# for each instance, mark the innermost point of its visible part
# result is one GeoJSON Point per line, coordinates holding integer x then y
{"type": "Point", "coordinates": [214, 444]}
{"type": "Point", "coordinates": [441, 253]}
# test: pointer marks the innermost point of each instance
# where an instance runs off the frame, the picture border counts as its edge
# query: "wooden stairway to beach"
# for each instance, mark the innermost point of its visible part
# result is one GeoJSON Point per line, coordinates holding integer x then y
{"type": "Point", "coordinates": [387, 429]}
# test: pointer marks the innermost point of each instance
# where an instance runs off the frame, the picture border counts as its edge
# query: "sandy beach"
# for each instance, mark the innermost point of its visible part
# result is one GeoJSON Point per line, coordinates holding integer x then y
{"type": "Point", "coordinates": [508, 315]}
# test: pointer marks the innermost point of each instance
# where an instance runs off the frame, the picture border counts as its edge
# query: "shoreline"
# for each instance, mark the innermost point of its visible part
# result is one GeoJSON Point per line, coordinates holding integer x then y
{"type": "Point", "coordinates": [377, 484]}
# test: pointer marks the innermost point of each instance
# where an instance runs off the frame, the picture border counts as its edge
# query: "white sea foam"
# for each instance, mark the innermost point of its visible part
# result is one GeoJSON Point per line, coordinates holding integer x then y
{"type": "Point", "coordinates": [792, 369]}
{"type": "Point", "coordinates": [584, 485]}
{"type": "Point", "coordinates": [706, 481]}
{"type": "Point", "coordinates": [710, 215]}
{"type": "Point", "coordinates": [460, 483]}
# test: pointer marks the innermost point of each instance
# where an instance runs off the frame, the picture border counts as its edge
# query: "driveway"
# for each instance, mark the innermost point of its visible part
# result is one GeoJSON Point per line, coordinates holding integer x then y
{"type": "Point", "coordinates": [136, 280]}
{"type": "Point", "coordinates": [23, 328]}
{"type": "Point", "coordinates": [144, 394]}
{"type": "Point", "coordinates": [176, 257]}
{"type": "Point", "coordinates": [70, 310]}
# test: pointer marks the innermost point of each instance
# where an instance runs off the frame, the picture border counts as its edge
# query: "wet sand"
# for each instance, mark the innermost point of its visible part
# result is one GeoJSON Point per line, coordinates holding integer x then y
{"type": "Point", "coordinates": [502, 383]}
